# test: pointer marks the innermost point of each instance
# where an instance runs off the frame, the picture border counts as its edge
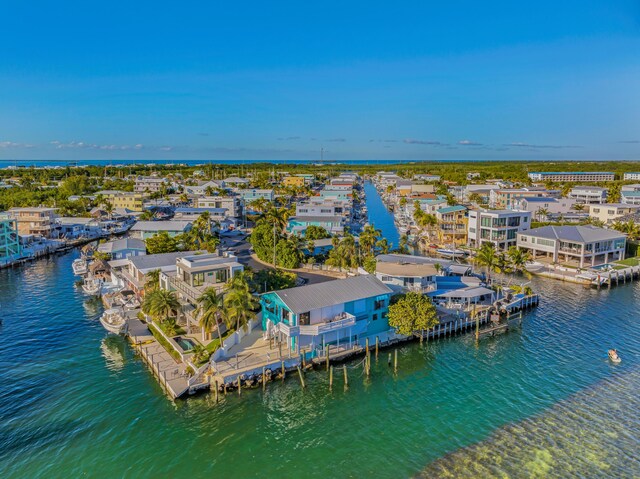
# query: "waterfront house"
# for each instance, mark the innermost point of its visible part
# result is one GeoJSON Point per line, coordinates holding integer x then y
{"type": "Point", "coordinates": [196, 272]}
{"type": "Point", "coordinates": [631, 176]}
{"type": "Point", "coordinates": [9, 240]}
{"type": "Point", "coordinates": [38, 221]}
{"type": "Point", "coordinates": [133, 270]}
{"type": "Point", "coordinates": [72, 227]}
{"type": "Point", "coordinates": [581, 245]}
{"type": "Point", "coordinates": [499, 227]}
{"type": "Point", "coordinates": [332, 312]}
{"type": "Point", "coordinates": [123, 248]}
{"type": "Point", "coordinates": [411, 276]}
{"type": "Point", "coordinates": [610, 212]}
{"type": "Point", "coordinates": [452, 225]}
{"type": "Point", "coordinates": [146, 229]}
{"type": "Point", "coordinates": [589, 194]}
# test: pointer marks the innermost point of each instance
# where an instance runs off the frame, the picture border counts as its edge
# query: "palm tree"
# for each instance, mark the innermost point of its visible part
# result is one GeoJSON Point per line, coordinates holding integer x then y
{"type": "Point", "coordinates": [108, 207]}
{"type": "Point", "coordinates": [277, 216]}
{"type": "Point", "coordinates": [382, 245]}
{"type": "Point", "coordinates": [542, 213]}
{"type": "Point", "coordinates": [210, 310]}
{"type": "Point", "coordinates": [152, 280]}
{"type": "Point", "coordinates": [239, 302]}
{"type": "Point", "coordinates": [368, 238]}
{"type": "Point", "coordinates": [487, 257]}
{"type": "Point", "coordinates": [578, 207]}
{"type": "Point", "coordinates": [519, 258]}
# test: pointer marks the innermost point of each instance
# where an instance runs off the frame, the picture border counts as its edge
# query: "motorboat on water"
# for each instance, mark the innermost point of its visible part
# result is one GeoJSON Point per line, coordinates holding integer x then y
{"type": "Point", "coordinates": [114, 320]}
{"type": "Point", "coordinates": [80, 266]}
{"type": "Point", "coordinates": [613, 356]}
{"type": "Point", "coordinates": [452, 253]}
{"type": "Point", "coordinates": [92, 285]}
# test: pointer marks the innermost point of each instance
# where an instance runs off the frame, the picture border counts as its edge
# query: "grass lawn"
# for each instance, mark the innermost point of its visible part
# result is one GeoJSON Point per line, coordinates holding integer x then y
{"type": "Point", "coordinates": [164, 343]}
{"type": "Point", "coordinates": [215, 343]}
{"type": "Point", "coordinates": [629, 261]}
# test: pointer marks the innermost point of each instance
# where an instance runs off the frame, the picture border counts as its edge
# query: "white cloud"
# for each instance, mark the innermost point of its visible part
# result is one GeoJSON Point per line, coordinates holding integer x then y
{"type": "Point", "coordinates": [13, 144]}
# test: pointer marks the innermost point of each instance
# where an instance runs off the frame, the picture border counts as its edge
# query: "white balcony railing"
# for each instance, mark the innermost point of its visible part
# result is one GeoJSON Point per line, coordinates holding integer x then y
{"type": "Point", "coordinates": [327, 326]}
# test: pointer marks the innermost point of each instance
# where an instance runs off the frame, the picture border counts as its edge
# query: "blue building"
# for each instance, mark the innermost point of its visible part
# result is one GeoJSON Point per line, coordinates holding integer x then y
{"type": "Point", "coordinates": [307, 318]}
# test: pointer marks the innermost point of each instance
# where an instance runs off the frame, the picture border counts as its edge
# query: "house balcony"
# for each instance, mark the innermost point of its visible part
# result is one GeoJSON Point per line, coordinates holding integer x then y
{"type": "Point", "coordinates": [192, 293]}
{"type": "Point", "coordinates": [342, 321]}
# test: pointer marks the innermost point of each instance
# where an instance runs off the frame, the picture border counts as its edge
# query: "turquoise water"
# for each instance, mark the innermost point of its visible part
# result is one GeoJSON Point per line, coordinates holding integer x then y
{"type": "Point", "coordinates": [75, 401]}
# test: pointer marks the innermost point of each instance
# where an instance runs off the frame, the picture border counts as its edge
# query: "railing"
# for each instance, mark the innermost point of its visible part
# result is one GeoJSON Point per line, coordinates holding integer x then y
{"type": "Point", "coordinates": [321, 328]}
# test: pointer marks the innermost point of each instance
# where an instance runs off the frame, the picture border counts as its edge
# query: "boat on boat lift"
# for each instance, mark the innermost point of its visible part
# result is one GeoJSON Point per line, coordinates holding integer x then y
{"type": "Point", "coordinates": [80, 266]}
{"type": "Point", "coordinates": [92, 285]}
{"type": "Point", "coordinates": [452, 253]}
{"type": "Point", "coordinates": [114, 320]}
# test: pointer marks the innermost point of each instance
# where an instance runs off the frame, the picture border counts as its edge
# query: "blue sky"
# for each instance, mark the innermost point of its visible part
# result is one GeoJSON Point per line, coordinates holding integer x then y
{"type": "Point", "coordinates": [280, 80]}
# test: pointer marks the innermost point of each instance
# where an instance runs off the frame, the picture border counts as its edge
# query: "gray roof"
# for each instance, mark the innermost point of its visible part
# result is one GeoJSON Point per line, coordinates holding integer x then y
{"type": "Point", "coordinates": [171, 225]}
{"type": "Point", "coordinates": [157, 261]}
{"type": "Point", "coordinates": [576, 234]}
{"type": "Point", "coordinates": [122, 244]}
{"type": "Point", "coordinates": [470, 292]}
{"type": "Point", "coordinates": [317, 219]}
{"type": "Point", "coordinates": [410, 259]}
{"type": "Point", "coordinates": [339, 291]}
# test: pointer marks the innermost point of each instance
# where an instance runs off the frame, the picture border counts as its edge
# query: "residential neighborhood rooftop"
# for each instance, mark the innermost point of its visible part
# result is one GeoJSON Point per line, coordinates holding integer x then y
{"type": "Point", "coordinates": [315, 296]}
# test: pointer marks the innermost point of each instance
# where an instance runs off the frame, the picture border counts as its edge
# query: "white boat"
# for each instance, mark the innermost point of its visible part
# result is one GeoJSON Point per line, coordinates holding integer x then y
{"type": "Point", "coordinates": [79, 267]}
{"type": "Point", "coordinates": [452, 253]}
{"type": "Point", "coordinates": [113, 320]}
{"type": "Point", "coordinates": [92, 285]}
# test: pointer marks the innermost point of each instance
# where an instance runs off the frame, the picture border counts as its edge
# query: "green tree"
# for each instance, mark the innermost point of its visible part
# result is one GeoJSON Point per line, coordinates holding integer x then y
{"type": "Point", "coordinates": [152, 280]}
{"type": "Point", "coordinates": [210, 312]}
{"type": "Point", "coordinates": [518, 259]}
{"type": "Point", "coordinates": [314, 232]}
{"type": "Point", "coordinates": [486, 256]}
{"type": "Point", "coordinates": [412, 312]}
{"type": "Point", "coordinates": [161, 242]}
{"type": "Point", "coordinates": [239, 303]}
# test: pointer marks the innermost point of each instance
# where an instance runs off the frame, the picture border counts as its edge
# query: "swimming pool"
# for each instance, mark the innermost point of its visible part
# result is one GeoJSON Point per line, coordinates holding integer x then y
{"type": "Point", "coordinates": [186, 344]}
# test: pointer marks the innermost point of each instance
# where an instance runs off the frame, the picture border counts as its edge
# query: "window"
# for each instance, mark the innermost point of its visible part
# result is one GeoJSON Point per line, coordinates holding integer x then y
{"type": "Point", "coordinates": [221, 276]}
{"type": "Point", "coordinates": [525, 219]}
{"type": "Point", "coordinates": [198, 279]}
{"type": "Point", "coordinates": [374, 317]}
{"type": "Point", "coordinates": [379, 303]}
{"type": "Point", "coordinates": [305, 318]}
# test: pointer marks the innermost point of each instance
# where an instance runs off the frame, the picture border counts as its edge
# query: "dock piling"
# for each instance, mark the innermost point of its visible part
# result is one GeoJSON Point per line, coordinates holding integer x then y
{"type": "Point", "coordinates": [395, 361]}
{"type": "Point", "coordinates": [301, 377]}
{"type": "Point", "coordinates": [377, 346]}
{"type": "Point", "coordinates": [330, 378]}
{"type": "Point", "coordinates": [346, 378]}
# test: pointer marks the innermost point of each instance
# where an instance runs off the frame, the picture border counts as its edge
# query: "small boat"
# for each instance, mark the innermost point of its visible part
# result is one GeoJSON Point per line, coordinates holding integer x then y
{"type": "Point", "coordinates": [451, 253]}
{"type": "Point", "coordinates": [79, 267]}
{"type": "Point", "coordinates": [92, 285]}
{"type": "Point", "coordinates": [613, 356]}
{"type": "Point", "coordinates": [113, 320]}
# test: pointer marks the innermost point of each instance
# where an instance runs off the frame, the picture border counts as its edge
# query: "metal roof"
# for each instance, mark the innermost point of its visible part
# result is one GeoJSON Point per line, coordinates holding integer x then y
{"type": "Point", "coordinates": [330, 293]}
{"type": "Point", "coordinates": [578, 234]}
{"type": "Point", "coordinates": [122, 244]}
{"type": "Point", "coordinates": [157, 261]}
{"type": "Point", "coordinates": [170, 225]}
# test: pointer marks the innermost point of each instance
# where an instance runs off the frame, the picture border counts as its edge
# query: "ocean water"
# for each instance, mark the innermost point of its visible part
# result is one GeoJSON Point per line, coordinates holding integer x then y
{"type": "Point", "coordinates": [540, 401]}
{"type": "Point", "coordinates": [75, 401]}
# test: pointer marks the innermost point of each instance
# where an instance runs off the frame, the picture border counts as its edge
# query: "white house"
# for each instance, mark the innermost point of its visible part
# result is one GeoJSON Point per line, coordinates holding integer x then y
{"type": "Point", "coordinates": [588, 194]}
{"type": "Point", "coordinates": [499, 227]}
{"type": "Point", "coordinates": [585, 245]}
